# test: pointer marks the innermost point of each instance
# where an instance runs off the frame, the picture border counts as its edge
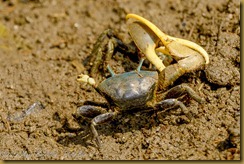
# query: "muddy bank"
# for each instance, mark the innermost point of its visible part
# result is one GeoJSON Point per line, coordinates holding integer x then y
{"type": "Point", "coordinates": [43, 46]}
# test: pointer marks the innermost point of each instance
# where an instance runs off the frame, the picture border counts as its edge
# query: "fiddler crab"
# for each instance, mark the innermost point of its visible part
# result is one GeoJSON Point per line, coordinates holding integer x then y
{"type": "Point", "coordinates": [140, 89]}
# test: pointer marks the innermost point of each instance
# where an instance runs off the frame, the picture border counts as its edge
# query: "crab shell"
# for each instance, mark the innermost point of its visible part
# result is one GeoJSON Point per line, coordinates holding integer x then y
{"type": "Point", "coordinates": [130, 90]}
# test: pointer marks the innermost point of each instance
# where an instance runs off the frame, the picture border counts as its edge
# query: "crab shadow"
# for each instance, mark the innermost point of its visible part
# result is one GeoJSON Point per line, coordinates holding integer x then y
{"type": "Point", "coordinates": [123, 123]}
{"type": "Point", "coordinates": [68, 135]}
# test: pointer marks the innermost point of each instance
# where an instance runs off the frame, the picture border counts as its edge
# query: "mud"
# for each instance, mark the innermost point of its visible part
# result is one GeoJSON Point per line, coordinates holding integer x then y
{"type": "Point", "coordinates": [43, 46]}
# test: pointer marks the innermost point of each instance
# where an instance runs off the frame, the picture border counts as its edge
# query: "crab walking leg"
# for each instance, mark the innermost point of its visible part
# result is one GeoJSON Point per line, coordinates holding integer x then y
{"type": "Point", "coordinates": [90, 111]}
{"type": "Point", "coordinates": [171, 104]}
{"type": "Point", "coordinates": [94, 103]}
{"type": "Point", "coordinates": [97, 52]}
{"type": "Point", "coordinates": [166, 39]}
{"type": "Point", "coordinates": [104, 48]}
{"type": "Point", "coordinates": [100, 119]}
{"type": "Point", "coordinates": [178, 91]}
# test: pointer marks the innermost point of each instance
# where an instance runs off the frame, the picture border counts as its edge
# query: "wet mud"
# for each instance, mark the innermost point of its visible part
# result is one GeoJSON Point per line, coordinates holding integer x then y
{"type": "Point", "coordinates": [44, 45]}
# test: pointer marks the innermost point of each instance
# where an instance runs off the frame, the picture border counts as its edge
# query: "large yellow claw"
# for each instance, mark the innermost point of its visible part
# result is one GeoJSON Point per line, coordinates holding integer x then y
{"type": "Point", "coordinates": [146, 41]}
{"type": "Point", "coordinates": [165, 39]}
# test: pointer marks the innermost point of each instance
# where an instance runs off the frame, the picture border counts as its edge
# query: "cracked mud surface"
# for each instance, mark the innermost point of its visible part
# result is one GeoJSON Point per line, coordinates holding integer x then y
{"type": "Point", "coordinates": [43, 46]}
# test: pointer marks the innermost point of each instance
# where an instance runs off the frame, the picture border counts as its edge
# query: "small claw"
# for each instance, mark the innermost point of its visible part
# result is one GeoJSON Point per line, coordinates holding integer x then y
{"type": "Point", "coordinates": [86, 79]}
{"type": "Point", "coordinates": [166, 39]}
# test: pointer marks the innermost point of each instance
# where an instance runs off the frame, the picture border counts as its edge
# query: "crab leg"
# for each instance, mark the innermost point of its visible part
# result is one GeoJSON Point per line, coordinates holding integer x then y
{"type": "Point", "coordinates": [90, 111]}
{"type": "Point", "coordinates": [168, 104]}
{"type": "Point", "coordinates": [178, 91]}
{"type": "Point", "coordinates": [104, 49]}
{"type": "Point", "coordinates": [100, 119]}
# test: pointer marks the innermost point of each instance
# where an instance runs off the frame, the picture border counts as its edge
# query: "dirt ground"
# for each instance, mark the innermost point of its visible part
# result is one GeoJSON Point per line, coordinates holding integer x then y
{"type": "Point", "coordinates": [43, 46]}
